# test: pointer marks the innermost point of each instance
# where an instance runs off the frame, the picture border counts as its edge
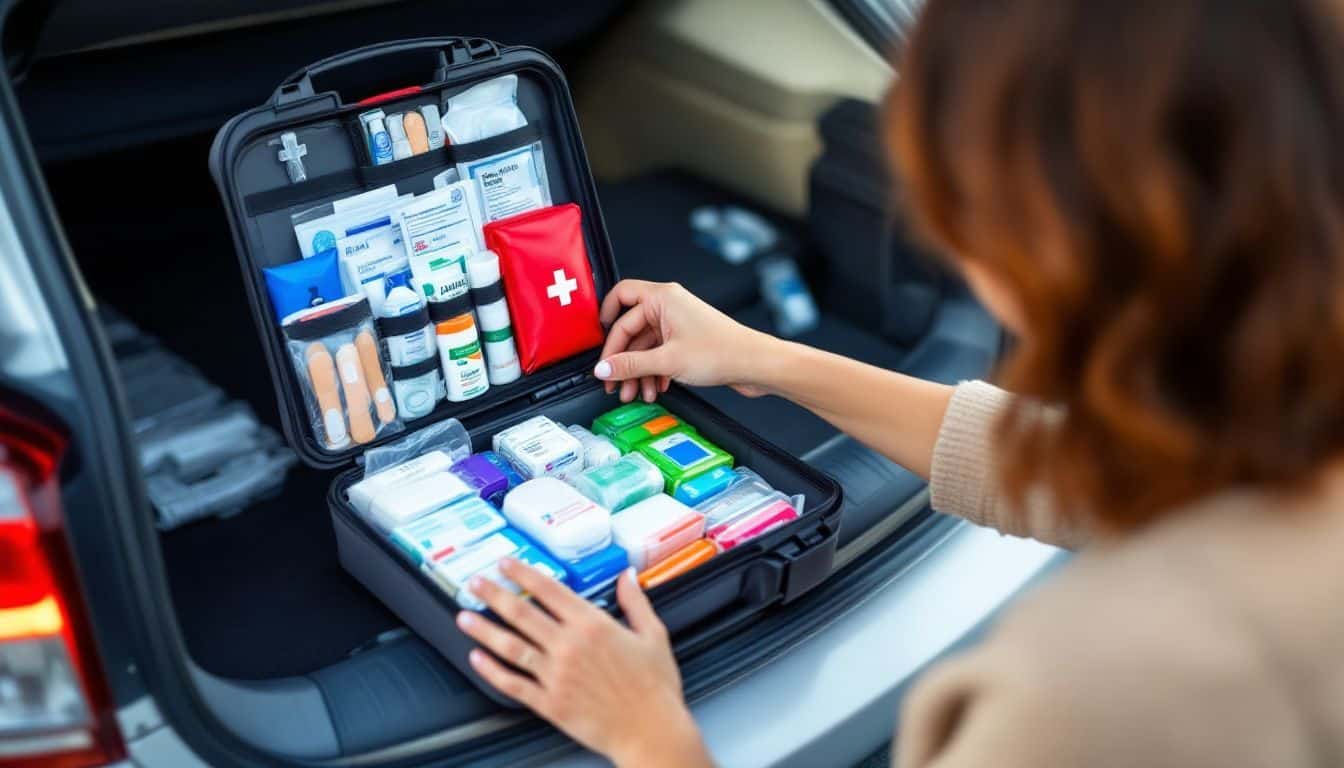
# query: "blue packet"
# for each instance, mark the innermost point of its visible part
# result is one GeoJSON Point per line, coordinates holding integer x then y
{"type": "Point", "coordinates": [589, 574]}
{"type": "Point", "coordinates": [303, 284]}
{"type": "Point", "coordinates": [705, 485]}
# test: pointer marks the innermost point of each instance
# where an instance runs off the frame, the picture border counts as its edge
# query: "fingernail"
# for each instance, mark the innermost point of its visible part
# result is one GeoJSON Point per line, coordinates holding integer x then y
{"type": "Point", "coordinates": [465, 619]}
{"type": "Point", "coordinates": [603, 370]}
{"type": "Point", "coordinates": [476, 657]}
{"type": "Point", "coordinates": [632, 575]}
{"type": "Point", "coordinates": [475, 584]}
{"type": "Point", "coordinates": [507, 563]}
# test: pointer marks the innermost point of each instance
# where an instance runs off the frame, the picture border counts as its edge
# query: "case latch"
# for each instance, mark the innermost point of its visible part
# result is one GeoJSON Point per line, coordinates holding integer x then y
{"type": "Point", "coordinates": [559, 386]}
{"type": "Point", "coordinates": [810, 555]}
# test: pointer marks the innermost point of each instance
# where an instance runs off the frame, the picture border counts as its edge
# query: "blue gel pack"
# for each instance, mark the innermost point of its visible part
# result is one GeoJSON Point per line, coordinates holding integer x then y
{"type": "Point", "coordinates": [596, 570]}
{"type": "Point", "coordinates": [504, 466]}
{"type": "Point", "coordinates": [302, 284]}
{"type": "Point", "coordinates": [704, 486]}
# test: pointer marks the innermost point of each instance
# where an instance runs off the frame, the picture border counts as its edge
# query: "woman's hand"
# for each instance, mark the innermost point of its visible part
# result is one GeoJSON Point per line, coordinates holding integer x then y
{"type": "Point", "coordinates": [660, 332]}
{"type": "Point", "coordinates": [614, 690]}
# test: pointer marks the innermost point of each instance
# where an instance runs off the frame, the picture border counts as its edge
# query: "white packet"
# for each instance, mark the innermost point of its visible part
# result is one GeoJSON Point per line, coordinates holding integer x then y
{"type": "Point", "coordinates": [510, 182]}
{"type": "Point", "coordinates": [318, 228]}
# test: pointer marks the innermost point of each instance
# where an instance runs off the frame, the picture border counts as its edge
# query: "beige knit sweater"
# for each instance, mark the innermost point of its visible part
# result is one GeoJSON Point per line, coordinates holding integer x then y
{"type": "Point", "coordinates": [1213, 638]}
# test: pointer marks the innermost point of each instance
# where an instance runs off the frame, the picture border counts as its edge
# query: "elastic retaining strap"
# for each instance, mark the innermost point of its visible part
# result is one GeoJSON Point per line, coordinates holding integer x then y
{"type": "Point", "coordinates": [404, 372]}
{"type": "Point", "coordinates": [488, 294]}
{"type": "Point", "coordinates": [447, 310]}
{"type": "Point", "coordinates": [404, 324]}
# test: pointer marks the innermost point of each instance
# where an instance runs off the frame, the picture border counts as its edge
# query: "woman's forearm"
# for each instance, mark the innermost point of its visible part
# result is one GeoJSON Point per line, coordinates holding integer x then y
{"type": "Point", "coordinates": [899, 416]}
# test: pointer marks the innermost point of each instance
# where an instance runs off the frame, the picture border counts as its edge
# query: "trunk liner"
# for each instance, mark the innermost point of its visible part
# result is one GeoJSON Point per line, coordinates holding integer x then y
{"type": "Point", "coordinates": [261, 594]}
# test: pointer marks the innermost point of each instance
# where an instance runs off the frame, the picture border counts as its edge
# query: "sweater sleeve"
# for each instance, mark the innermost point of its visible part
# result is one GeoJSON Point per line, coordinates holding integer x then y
{"type": "Point", "coordinates": [963, 480]}
{"type": "Point", "coordinates": [1128, 657]}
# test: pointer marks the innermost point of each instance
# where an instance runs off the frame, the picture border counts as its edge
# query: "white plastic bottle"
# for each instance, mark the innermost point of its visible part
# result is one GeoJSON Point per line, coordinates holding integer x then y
{"type": "Point", "coordinates": [463, 364]}
{"type": "Point", "coordinates": [417, 384]}
{"type": "Point", "coordinates": [403, 301]}
{"type": "Point", "coordinates": [492, 313]}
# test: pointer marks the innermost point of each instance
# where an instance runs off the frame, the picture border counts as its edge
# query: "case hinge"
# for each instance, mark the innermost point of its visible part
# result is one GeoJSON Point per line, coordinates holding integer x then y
{"type": "Point", "coordinates": [468, 50]}
{"type": "Point", "coordinates": [559, 386]}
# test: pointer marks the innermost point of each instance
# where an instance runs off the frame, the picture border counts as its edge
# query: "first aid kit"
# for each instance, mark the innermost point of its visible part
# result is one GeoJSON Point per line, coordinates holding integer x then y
{"type": "Point", "coordinates": [452, 170]}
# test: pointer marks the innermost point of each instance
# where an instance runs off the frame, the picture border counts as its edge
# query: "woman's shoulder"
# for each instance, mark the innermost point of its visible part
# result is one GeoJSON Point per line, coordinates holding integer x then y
{"type": "Point", "coordinates": [1168, 648]}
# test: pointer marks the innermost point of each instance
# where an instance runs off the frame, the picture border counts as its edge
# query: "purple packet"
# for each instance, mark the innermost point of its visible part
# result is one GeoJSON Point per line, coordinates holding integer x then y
{"type": "Point", "coordinates": [483, 475]}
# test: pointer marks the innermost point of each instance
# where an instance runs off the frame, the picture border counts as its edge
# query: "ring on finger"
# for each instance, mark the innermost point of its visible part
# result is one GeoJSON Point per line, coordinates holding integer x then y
{"type": "Point", "coordinates": [527, 658]}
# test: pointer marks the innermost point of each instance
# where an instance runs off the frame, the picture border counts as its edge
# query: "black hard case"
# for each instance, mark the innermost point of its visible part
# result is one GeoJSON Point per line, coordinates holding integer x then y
{"type": "Point", "coordinates": [319, 105]}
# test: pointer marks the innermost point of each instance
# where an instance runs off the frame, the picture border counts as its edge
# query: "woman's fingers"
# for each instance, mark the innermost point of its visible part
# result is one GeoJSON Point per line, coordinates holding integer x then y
{"type": "Point", "coordinates": [626, 329]}
{"type": "Point", "coordinates": [647, 339]}
{"type": "Point", "coordinates": [632, 386]}
{"type": "Point", "coordinates": [520, 614]}
{"type": "Point", "coordinates": [554, 596]}
{"type": "Point", "coordinates": [629, 389]}
{"type": "Point", "coordinates": [638, 610]}
{"type": "Point", "coordinates": [501, 642]}
{"type": "Point", "coordinates": [517, 687]}
{"type": "Point", "coordinates": [626, 293]}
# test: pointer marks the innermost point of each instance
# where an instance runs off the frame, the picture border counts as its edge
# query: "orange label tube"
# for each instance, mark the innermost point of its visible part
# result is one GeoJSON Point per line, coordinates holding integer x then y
{"type": "Point", "coordinates": [687, 558]}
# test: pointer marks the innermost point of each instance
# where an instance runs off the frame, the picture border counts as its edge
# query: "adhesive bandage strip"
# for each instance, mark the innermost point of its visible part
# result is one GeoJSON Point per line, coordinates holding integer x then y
{"type": "Point", "coordinates": [373, 374]}
{"type": "Point", "coordinates": [322, 374]}
{"type": "Point", "coordinates": [356, 392]}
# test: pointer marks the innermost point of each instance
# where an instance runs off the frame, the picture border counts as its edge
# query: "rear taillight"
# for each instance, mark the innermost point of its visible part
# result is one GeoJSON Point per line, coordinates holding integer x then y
{"type": "Point", "coordinates": [54, 706]}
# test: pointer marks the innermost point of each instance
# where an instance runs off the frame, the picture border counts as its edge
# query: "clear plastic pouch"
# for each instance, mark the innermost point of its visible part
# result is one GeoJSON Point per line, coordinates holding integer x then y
{"type": "Point", "coordinates": [512, 181]}
{"type": "Point", "coordinates": [448, 436]}
{"type": "Point", "coordinates": [336, 355]}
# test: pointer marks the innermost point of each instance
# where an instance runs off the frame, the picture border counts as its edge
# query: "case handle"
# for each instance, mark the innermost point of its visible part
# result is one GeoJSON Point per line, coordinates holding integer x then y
{"type": "Point", "coordinates": [373, 69]}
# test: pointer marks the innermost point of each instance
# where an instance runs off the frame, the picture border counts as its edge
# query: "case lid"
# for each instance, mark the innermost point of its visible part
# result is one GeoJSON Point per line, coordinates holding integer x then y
{"type": "Point", "coordinates": [321, 104]}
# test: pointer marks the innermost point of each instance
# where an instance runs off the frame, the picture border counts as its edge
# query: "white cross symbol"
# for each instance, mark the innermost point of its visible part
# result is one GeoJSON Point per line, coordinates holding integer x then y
{"type": "Point", "coordinates": [562, 288]}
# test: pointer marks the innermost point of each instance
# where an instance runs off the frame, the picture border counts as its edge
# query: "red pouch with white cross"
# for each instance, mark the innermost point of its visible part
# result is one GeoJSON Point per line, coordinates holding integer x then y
{"type": "Point", "coordinates": [548, 282]}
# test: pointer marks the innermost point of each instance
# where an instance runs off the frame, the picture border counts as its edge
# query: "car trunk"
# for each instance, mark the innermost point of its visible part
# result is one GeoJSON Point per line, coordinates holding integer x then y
{"type": "Point", "coordinates": [278, 633]}
{"type": "Point", "coordinates": [260, 596]}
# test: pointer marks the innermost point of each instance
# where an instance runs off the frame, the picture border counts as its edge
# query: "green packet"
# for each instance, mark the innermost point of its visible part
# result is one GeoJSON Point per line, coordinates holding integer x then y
{"type": "Point", "coordinates": [629, 439]}
{"type": "Point", "coordinates": [681, 454]}
{"type": "Point", "coordinates": [629, 415]}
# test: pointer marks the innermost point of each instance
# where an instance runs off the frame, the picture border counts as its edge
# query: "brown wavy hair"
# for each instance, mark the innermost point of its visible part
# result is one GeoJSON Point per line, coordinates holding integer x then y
{"type": "Point", "coordinates": [1161, 187]}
